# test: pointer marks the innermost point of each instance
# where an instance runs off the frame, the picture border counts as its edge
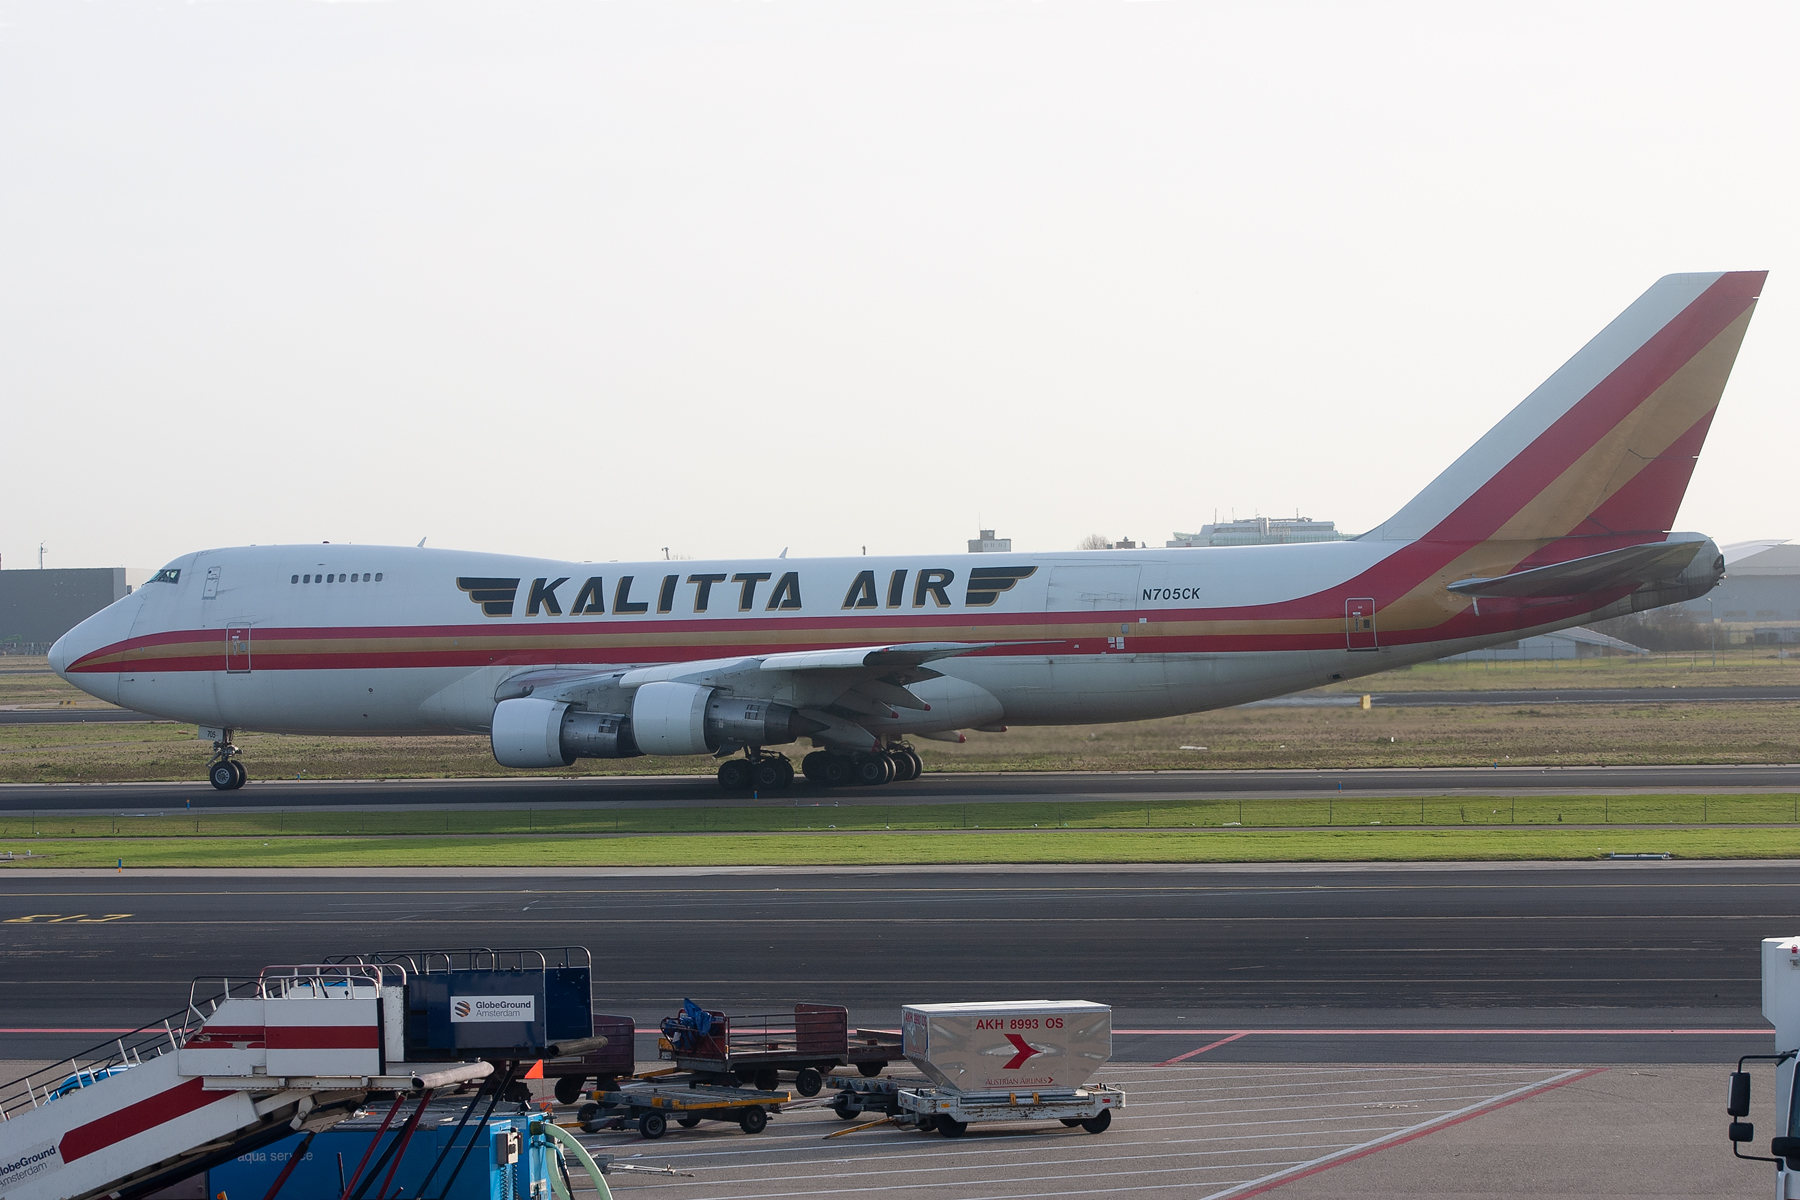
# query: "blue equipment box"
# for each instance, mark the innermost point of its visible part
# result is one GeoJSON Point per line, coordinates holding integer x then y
{"type": "Point", "coordinates": [486, 1175]}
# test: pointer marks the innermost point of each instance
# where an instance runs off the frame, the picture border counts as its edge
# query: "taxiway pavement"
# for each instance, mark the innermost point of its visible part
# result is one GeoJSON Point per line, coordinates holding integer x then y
{"type": "Point", "coordinates": [1596, 962]}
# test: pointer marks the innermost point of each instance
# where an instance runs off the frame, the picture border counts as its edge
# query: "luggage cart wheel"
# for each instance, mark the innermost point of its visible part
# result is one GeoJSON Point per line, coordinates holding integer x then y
{"type": "Point", "coordinates": [1098, 1124]}
{"type": "Point", "coordinates": [1071, 1122]}
{"type": "Point", "coordinates": [808, 1081]}
{"type": "Point", "coordinates": [653, 1125]}
{"type": "Point", "coordinates": [754, 1120]}
{"type": "Point", "coordinates": [767, 1079]}
{"type": "Point", "coordinates": [951, 1127]}
{"type": "Point", "coordinates": [844, 1107]}
{"type": "Point", "coordinates": [568, 1088]}
{"type": "Point", "coordinates": [869, 1070]}
{"type": "Point", "coordinates": [927, 1124]}
{"type": "Point", "coordinates": [688, 1120]}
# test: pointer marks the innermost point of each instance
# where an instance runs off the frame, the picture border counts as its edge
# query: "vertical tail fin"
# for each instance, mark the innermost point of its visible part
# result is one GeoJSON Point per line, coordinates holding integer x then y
{"type": "Point", "coordinates": [1606, 445]}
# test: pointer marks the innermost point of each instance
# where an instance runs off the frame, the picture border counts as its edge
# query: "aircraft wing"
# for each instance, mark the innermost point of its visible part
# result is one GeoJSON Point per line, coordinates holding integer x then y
{"type": "Point", "coordinates": [1657, 562]}
{"type": "Point", "coordinates": [849, 683]}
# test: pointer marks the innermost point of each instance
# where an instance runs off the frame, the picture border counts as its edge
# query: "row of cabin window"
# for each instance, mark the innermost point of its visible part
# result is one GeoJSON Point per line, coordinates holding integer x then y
{"type": "Point", "coordinates": [350, 577]}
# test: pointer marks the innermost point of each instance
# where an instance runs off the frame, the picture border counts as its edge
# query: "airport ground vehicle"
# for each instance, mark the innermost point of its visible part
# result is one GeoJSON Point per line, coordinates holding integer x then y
{"type": "Point", "coordinates": [1021, 1060]}
{"type": "Point", "coordinates": [1560, 515]}
{"type": "Point", "coordinates": [605, 1065]}
{"type": "Point", "coordinates": [758, 1048]}
{"type": "Point", "coordinates": [1781, 1005]}
{"type": "Point", "coordinates": [298, 1049]}
{"type": "Point", "coordinates": [652, 1101]}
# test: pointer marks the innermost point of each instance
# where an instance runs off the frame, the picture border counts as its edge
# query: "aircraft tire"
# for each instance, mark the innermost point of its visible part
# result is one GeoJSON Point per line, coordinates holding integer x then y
{"type": "Point", "coordinates": [872, 769]}
{"type": "Point", "coordinates": [735, 775]}
{"type": "Point", "coordinates": [243, 775]}
{"type": "Point", "coordinates": [766, 774]}
{"type": "Point", "coordinates": [834, 771]}
{"type": "Point", "coordinates": [814, 764]}
{"type": "Point", "coordinates": [918, 763]}
{"type": "Point", "coordinates": [787, 771]}
{"type": "Point", "coordinates": [222, 777]}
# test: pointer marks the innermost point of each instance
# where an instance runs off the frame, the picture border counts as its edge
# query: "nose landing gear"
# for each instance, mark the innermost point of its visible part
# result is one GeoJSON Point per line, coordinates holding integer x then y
{"type": "Point", "coordinates": [757, 771]}
{"type": "Point", "coordinates": [225, 772]}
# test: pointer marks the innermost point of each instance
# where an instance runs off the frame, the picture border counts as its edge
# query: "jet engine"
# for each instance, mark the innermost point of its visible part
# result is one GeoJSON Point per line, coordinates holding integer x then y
{"type": "Point", "coordinates": [684, 718]}
{"type": "Point", "coordinates": [665, 718]}
{"type": "Point", "coordinates": [527, 732]}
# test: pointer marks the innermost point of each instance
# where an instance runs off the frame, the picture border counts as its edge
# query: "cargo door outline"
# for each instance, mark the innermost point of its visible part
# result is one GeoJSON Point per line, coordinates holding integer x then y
{"type": "Point", "coordinates": [1359, 623]}
{"type": "Point", "coordinates": [210, 590]}
{"type": "Point", "coordinates": [237, 650]}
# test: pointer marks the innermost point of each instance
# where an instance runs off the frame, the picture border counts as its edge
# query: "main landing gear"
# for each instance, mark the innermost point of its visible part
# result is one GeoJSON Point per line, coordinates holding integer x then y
{"type": "Point", "coordinates": [896, 764]}
{"type": "Point", "coordinates": [225, 772]}
{"type": "Point", "coordinates": [759, 772]}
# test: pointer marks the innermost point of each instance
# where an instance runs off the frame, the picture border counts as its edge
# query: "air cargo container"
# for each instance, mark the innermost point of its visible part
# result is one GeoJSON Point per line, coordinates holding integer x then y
{"type": "Point", "coordinates": [1008, 1046]}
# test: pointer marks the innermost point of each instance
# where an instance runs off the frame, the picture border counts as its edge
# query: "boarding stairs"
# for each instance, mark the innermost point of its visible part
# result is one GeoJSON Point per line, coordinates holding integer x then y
{"type": "Point", "coordinates": [297, 1048]}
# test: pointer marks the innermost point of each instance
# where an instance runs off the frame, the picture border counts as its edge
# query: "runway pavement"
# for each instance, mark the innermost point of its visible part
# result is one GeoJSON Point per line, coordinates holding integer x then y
{"type": "Point", "coordinates": [1639, 962]}
{"type": "Point", "coordinates": [934, 788]}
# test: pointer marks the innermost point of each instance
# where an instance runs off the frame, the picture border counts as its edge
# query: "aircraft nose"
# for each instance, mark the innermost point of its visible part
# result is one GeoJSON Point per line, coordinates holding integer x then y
{"type": "Point", "coordinates": [96, 633]}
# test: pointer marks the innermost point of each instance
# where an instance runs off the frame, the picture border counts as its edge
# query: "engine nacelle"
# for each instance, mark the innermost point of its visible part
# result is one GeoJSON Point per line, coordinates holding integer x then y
{"type": "Point", "coordinates": [527, 732]}
{"type": "Point", "coordinates": [684, 718]}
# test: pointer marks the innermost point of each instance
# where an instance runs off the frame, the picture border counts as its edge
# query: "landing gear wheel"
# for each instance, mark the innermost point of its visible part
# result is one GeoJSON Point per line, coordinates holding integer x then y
{"type": "Point", "coordinates": [904, 770]}
{"type": "Point", "coordinates": [767, 1079]}
{"type": "Point", "coordinates": [950, 1127]}
{"type": "Point", "coordinates": [871, 769]}
{"type": "Point", "coordinates": [918, 763]}
{"type": "Point", "coordinates": [808, 1081]}
{"type": "Point", "coordinates": [813, 765]}
{"type": "Point", "coordinates": [568, 1088]}
{"type": "Point", "coordinates": [869, 1070]}
{"type": "Point", "coordinates": [834, 771]}
{"type": "Point", "coordinates": [688, 1120]}
{"type": "Point", "coordinates": [223, 777]}
{"type": "Point", "coordinates": [734, 775]}
{"type": "Point", "coordinates": [243, 776]}
{"type": "Point", "coordinates": [767, 774]}
{"type": "Point", "coordinates": [1098, 1124]}
{"type": "Point", "coordinates": [843, 1107]}
{"type": "Point", "coordinates": [653, 1125]}
{"type": "Point", "coordinates": [754, 1120]}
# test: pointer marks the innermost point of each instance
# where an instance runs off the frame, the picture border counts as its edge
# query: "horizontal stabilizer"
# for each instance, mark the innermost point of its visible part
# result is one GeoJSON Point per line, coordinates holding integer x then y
{"type": "Point", "coordinates": [1657, 562]}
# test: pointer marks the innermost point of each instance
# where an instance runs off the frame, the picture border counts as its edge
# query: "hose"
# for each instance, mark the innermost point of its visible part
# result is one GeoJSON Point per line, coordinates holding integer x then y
{"type": "Point", "coordinates": [567, 1140]}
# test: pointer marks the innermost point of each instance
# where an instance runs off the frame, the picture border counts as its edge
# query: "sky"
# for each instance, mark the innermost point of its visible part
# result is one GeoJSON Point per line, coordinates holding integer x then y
{"type": "Point", "coordinates": [588, 280]}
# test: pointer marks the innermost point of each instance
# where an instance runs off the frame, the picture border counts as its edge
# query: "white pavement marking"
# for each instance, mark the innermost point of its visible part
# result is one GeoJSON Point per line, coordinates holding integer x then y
{"type": "Point", "coordinates": [1214, 1130]}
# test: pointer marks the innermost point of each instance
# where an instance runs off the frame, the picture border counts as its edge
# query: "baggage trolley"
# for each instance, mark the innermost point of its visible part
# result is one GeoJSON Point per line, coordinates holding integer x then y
{"type": "Point", "coordinates": [809, 1042]}
{"type": "Point", "coordinates": [917, 1104]}
{"type": "Point", "coordinates": [652, 1103]}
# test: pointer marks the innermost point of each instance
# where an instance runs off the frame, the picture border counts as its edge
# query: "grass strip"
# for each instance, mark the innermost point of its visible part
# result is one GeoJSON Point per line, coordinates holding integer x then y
{"type": "Point", "coordinates": [811, 816]}
{"type": "Point", "coordinates": [869, 849]}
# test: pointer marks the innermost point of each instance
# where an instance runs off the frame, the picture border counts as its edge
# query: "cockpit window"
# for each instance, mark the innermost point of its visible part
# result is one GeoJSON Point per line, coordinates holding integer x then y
{"type": "Point", "coordinates": [167, 575]}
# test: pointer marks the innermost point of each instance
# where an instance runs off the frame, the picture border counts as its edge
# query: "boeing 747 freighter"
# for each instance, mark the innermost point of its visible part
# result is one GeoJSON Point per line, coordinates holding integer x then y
{"type": "Point", "coordinates": [1560, 515]}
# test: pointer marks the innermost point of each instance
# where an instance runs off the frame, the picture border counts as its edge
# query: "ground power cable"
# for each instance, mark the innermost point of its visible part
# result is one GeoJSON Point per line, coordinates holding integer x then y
{"type": "Point", "coordinates": [504, 1081]}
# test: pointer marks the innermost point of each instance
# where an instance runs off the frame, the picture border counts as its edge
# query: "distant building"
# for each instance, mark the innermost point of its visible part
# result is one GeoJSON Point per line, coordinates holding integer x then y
{"type": "Point", "coordinates": [1759, 600]}
{"type": "Point", "coordinates": [1564, 643]}
{"type": "Point", "coordinates": [987, 543]}
{"type": "Point", "coordinates": [1262, 531]}
{"type": "Point", "coordinates": [37, 607]}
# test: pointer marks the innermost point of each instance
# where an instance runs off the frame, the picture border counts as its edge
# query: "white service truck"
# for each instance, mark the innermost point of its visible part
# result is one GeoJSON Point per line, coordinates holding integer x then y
{"type": "Point", "coordinates": [1781, 1005]}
